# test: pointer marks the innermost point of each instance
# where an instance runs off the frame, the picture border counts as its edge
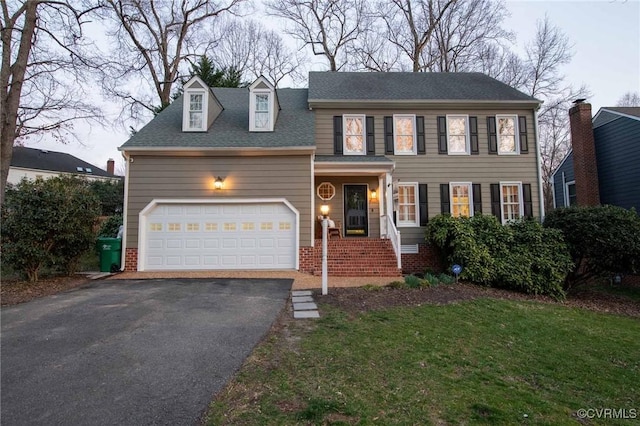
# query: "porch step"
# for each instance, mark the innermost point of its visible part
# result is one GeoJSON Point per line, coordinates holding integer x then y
{"type": "Point", "coordinates": [357, 257]}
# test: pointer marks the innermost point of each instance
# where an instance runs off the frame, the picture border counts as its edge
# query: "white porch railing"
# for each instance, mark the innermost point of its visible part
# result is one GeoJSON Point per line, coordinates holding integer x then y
{"type": "Point", "coordinates": [393, 234]}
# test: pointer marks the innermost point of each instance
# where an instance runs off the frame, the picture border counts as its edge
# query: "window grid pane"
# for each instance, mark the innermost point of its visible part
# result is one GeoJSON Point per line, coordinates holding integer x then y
{"type": "Point", "coordinates": [511, 202]}
{"type": "Point", "coordinates": [460, 201]}
{"type": "Point", "coordinates": [403, 127]}
{"type": "Point", "coordinates": [457, 131]}
{"type": "Point", "coordinates": [407, 204]}
{"type": "Point", "coordinates": [507, 134]}
{"type": "Point", "coordinates": [354, 135]}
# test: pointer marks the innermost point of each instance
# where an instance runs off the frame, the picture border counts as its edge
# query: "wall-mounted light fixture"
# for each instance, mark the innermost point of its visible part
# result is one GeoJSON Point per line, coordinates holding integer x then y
{"type": "Point", "coordinates": [374, 194]}
{"type": "Point", "coordinates": [219, 183]}
{"type": "Point", "coordinates": [324, 209]}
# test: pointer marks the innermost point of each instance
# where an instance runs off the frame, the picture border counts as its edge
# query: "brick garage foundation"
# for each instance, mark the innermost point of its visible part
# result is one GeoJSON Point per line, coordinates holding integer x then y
{"type": "Point", "coordinates": [131, 260]}
{"type": "Point", "coordinates": [426, 258]}
{"type": "Point", "coordinates": [306, 259]}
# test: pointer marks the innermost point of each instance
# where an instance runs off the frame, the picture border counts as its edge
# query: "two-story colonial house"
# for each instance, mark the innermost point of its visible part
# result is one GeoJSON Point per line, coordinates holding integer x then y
{"type": "Point", "coordinates": [228, 178]}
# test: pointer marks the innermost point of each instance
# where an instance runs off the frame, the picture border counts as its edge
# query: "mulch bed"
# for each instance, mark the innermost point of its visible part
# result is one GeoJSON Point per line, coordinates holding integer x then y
{"type": "Point", "coordinates": [13, 292]}
{"type": "Point", "coordinates": [358, 300]}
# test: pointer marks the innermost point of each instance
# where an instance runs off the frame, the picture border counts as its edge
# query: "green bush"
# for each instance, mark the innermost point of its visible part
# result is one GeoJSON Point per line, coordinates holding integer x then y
{"type": "Point", "coordinates": [47, 223]}
{"type": "Point", "coordinates": [110, 227]}
{"type": "Point", "coordinates": [412, 281]}
{"type": "Point", "coordinates": [522, 256]}
{"type": "Point", "coordinates": [446, 279]}
{"type": "Point", "coordinates": [431, 279]}
{"type": "Point", "coordinates": [110, 194]}
{"type": "Point", "coordinates": [602, 240]}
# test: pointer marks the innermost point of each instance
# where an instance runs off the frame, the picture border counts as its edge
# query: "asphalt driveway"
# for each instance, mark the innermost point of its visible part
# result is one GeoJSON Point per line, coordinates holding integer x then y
{"type": "Point", "coordinates": [131, 352]}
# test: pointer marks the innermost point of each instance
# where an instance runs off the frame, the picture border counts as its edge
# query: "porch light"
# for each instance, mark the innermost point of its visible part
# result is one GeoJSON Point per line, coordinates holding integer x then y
{"type": "Point", "coordinates": [374, 194]}
{"type": "Point", "coordinates": [219, 183]}
{"type": "Point", "coordinates": [324, 209]}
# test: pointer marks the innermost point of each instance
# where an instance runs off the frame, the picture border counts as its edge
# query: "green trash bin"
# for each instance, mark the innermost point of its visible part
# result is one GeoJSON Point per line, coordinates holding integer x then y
{"type": "Point", "coordinates": [109, 250]}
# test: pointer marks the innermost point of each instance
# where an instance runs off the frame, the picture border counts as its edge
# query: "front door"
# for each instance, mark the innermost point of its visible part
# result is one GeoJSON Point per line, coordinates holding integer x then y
{"type": "Point", "coordinates": [355, 211]}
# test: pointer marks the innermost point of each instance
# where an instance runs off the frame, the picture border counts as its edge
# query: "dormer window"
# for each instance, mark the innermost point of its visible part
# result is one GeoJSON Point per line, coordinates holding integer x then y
{"type": "Point", "coordinates": [263, 106]}
{"type": "Point", "coordinates": [195, 110]}
{"type": "Point", "coordinates": [262, 111]}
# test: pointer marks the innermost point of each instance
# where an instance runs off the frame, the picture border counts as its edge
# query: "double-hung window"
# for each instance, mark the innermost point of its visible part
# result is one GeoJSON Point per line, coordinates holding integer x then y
{"type": "Point", "coordinates": [354, 135]}
{"type": "Point", "coordinates": [570, 194]}
{"type": "Point", "coordinates": [507, 134]}
{"type": "Point", "coordinates": [404, 134]}
{"type": "Point", "coordinates": [511, 202]}
{"type": "Point", "coordinates": [457, 134]}
{"type": "Point", "coordinates": [196, 111]}
{"type": "Point", "coordinates": [408, 214]}
{"type": "Point", "coordinates": [261, 113]}
{"type": "Point", "coordinates": [461, 196]}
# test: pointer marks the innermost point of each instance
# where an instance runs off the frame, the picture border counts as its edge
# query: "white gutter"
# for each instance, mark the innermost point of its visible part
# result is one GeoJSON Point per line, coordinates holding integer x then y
{"type": "Point", "coordinates": [539, 163]}
{"type": "Point", "coordinates": [125, 211]}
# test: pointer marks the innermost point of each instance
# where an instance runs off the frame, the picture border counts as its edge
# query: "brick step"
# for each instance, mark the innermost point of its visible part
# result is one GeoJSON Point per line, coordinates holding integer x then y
{"type": "Point", "coordinates": [352, 257]}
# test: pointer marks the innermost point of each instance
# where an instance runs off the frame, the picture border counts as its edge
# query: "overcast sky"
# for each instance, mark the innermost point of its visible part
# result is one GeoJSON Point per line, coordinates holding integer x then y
{"type": "Point", "coordinates": [606, 44]}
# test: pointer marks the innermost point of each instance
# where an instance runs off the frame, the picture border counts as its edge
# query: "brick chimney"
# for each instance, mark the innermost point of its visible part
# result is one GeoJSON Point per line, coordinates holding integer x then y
{"type": "Point", "coordinates": [585, 167]}
{"type": "Point", "coordinates": [111, 166]}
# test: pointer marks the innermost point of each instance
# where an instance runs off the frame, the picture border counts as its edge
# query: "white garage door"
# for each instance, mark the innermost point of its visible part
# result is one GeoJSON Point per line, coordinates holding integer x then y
{"type": "Point", "coordinates": [219, 236]}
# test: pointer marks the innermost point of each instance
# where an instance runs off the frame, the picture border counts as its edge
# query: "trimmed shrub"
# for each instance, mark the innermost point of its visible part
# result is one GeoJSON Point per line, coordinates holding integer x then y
{"type": "Point", "coordinates": [521, 256]}
{"type": "Point", "coordinates": [602, 240]}
{"type": "Point", "coordinates": [48, 223]}
{"type": "Point", "coordinates": [412, 281]}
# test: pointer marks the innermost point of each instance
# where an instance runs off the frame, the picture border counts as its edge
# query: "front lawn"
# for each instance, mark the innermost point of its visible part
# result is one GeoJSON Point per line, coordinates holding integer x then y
{"type": "Point", "coordinates": [483, 361]}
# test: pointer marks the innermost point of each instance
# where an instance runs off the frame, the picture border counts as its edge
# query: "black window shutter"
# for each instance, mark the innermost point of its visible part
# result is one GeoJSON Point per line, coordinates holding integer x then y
{"type": "Point", "coordinates": [337, 135]}
{"type": "Point", "coordinates": [388, 136]}
{"type": "Point", "coordinates": [524, 142]}
{"type": "Point", "coordinates": [493, 137]}
{"type": "Point", "coordinates": [473, 135]}
{"type": "Point", "coordinates": [526, 197]}
{"type": "Point", "coordinates": [420, 131]}
{"type": "Point", "coordinates": [477, 198]}
{"type": "Point", "coordinates": [495, 201]}
{"type": "Point", "coordinates": [371, 139]}
{"type": "Point", "coordinates": [424, 212]}
{"type": "Point", "coordinates": [442, 135]}
{"type": "Point", "coordinates": [445, 204]}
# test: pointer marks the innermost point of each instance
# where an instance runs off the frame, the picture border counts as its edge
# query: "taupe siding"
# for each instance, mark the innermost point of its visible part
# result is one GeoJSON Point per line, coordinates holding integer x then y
{"type": "Point", "coordinates": [435, 169]}
{"type": "Point", "coordinates": [154, 177]}
{"type": "Point", "coordinates": [336, 205]}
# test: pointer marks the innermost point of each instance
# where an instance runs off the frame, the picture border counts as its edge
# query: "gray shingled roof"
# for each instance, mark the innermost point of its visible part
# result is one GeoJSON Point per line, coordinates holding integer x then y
{"type": "Point", "coordinates": [378, 159]}
{"type": "Point", "coordinates": [42, 159]}
{"type": "Point", "coordinates": [294, 126]}
{"type": "Point", "coordinates": [635, 111]}
{"type": "Point", "coordinates": [410, 86]}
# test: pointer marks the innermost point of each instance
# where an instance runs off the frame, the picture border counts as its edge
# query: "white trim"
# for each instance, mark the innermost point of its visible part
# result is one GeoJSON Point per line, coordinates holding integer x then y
{"type": "Point", "coordinates": [412, 103]}
{"type": "Point", "coordinates": [467, 132]}
{"type": "Point", "coordinates": [318, 191]}
{"type": "Point", "coordinates": [520, 200]}
{"type": "Point", "coordinates": [364, 134]}
{"type": "Point", "coordinates": [227, 151]}
{"type": "Point", "coordinates": [539, 168]}
{"type": "Point", "coordinates": [469, 186]}
{"type": "Point", "coordinates": [186, 104]}
{"type": "Point", "coordinates": [415, 136]}
{"type": "Point", "coordinates": [516, 135]}
{"type": "Point", "coordinates": [344, 211]}
{"type": "Point", "coordinates": [553, 192]}
{"type": "Point", "coordinates": [382, 196]}
{"type": "Point", "coordinates": [416, 204]}
{"type": "Point", "coordinates": [566, 157]}
{"type": "Point", "coordinates": [142, 222]}
{"type": "Point", "coordinates": [313, 203]}
{"type": "Point", "coordinates": [252, 110]}
{"type": "Point", "coordinates": [566, 192]}
{"type": "Point", "coordinates": [125, 212]}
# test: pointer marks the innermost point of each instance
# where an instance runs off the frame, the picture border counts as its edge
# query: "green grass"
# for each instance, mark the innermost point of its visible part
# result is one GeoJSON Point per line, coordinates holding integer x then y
{"type": "Point", "coordinates": [480, 362]}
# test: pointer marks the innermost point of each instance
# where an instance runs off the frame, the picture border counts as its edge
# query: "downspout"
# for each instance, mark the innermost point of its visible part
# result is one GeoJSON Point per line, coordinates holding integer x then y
{"type": "Point", "coordinates": [539, 163]}
{"type": "Point", "coordinates": [125, 211]}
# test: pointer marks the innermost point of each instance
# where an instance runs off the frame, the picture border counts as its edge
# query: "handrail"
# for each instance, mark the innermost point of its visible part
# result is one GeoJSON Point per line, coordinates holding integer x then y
{"type": "Point", "coordinates": [394, 235]}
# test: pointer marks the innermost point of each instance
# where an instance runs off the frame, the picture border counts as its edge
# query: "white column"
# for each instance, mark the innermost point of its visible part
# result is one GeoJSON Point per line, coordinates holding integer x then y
{"type": "Point", "coordinates": [325, 228]}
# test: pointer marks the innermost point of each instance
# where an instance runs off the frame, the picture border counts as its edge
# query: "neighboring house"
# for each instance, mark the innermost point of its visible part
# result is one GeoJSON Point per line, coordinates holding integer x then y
{"type": "Point", "coordinates": [603, 166]}
{"type": "Point", "coordinates": [33, 163]}
{"type": "Point", "coordinates": [229, 178]}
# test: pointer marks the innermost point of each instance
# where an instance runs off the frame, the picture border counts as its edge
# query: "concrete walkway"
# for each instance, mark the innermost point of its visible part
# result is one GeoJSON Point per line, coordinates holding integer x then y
{"type": "Point", "coordinates": [303, 304]}
{"type": "Point", "coordinates": [301, 281]}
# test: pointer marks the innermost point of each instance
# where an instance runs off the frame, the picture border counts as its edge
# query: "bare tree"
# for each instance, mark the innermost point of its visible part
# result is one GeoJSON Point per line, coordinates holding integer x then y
{"type": "Point", "coordinates": [44, 61]}
{"type": "Point", "coordinates": [629, 99]}
{"type": "Point", "coordinates": [330, 27]}
{"type": "Point", "coordinates": [248, 47]}
{"type": "Point", "coordinates": [151, 42]}
{"type": "Point", "coordinates": [410, 26]}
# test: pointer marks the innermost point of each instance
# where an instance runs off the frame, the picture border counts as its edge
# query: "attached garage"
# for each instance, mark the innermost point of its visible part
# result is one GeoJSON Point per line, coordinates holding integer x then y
{"type": "Point", "coordinates": [220, 234]}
